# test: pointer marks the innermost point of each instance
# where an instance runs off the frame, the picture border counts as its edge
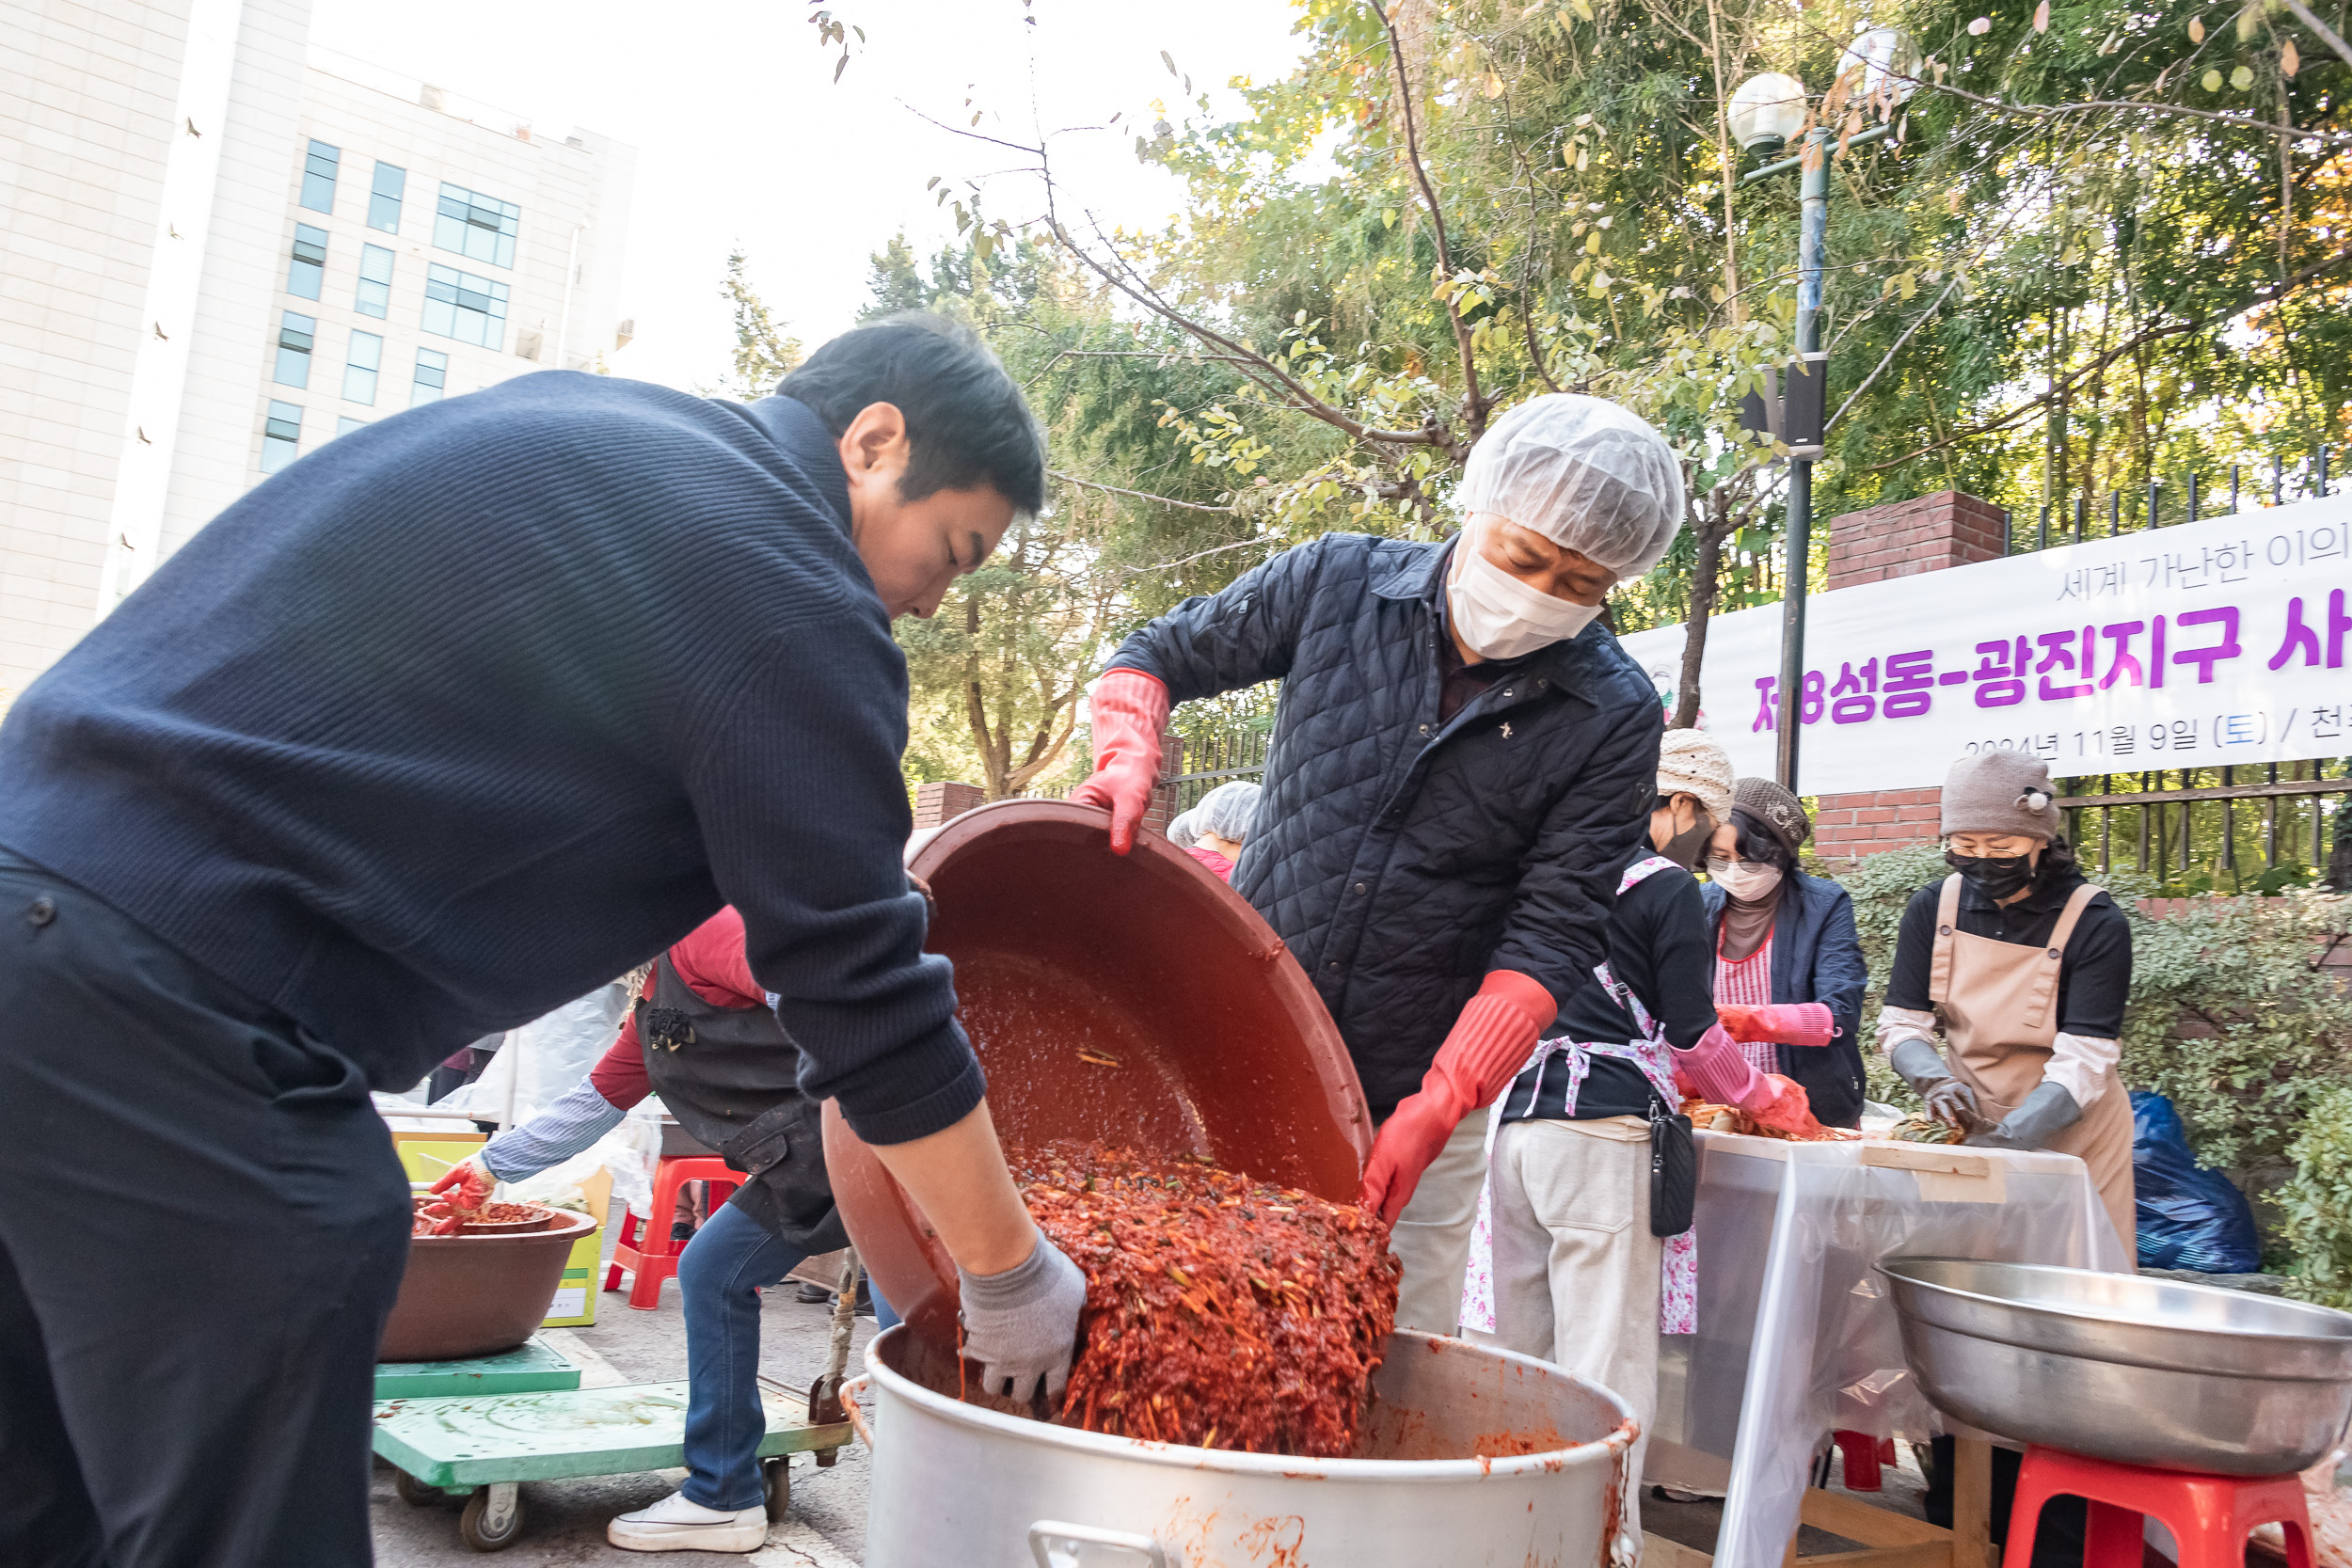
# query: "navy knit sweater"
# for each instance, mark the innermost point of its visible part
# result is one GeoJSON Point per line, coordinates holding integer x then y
{"type": "Point", "coordinates": [484, 704]}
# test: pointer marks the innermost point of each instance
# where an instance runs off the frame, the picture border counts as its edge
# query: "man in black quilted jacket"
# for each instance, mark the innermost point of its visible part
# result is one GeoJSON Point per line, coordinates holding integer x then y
{"type": "Point", "coordinates": [1460, 761]}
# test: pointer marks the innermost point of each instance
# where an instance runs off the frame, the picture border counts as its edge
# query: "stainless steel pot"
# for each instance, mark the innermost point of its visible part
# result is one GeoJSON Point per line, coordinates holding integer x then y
{"type": "Point", "coordinates": [956, 1483]}
{"type": "Point", "coordinates": [2144, 1371]}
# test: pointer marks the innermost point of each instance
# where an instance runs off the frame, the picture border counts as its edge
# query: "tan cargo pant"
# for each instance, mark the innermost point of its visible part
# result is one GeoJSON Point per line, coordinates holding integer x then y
{"type": "Point", "coordinates": [1575, 1267]}
{"type": "Point", "coordinates": [1432, 1236]}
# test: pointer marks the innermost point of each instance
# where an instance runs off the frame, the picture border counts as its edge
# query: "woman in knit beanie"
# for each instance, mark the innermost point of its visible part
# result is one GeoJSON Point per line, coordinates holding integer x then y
{"type": "Point", "coordinates": [1789, 968]}
{"type": "Point", "coordinates": [2022, 967]}
{"type": "Point", "coordinates": [2028, 1057]}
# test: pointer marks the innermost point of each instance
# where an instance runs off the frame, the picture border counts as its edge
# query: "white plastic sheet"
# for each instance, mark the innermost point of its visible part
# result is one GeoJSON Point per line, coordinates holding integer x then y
{"type": "Point", "coordinates": [542, 1059]}
{"type": "Point", "coordinates": [1796, 1335]}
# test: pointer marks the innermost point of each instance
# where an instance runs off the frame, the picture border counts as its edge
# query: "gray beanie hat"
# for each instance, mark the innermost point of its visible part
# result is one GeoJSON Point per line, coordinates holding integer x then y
{"type": "Point", "coordinates": [1782, 813]}
{"type": "Point", "coordinates": [1693, 763]}
{"type": "Point", "coordinates": [2000, 792]}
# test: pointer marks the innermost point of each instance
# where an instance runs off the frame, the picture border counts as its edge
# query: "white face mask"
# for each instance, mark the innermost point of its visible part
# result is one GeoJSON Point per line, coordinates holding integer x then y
{"type": "Point", "coordinates": [1743, 880]}
{"type": "Point", "coordinates": [1500, 617]}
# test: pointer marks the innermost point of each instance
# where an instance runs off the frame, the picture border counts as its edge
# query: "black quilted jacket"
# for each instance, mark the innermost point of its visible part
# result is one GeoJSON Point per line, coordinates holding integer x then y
{"type": "Point", "coordinates": [1400, 859]}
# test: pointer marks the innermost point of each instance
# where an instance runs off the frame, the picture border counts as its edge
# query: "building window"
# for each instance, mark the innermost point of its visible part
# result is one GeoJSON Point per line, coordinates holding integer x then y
{"type": "Point", "coordinates": [431, 372]}
{"type": "Point", "coordinates": [376, 281]}
{"type": "Point", "coordinates": [281, 435]}
{"type": "Point", "coordinates": [346, 424]}
{"type": "Point", "coordinates": [366, 357]}
{"type": "Point", "coordinates": [318, 177]}
{"type": "Point", "coordinates": [295, 333]}
{"type": "Point", "coordinates": [391, 184]}
{"type": "Point", "coordinates": [308, 267]}
{"type": "Point", "coordinates": [461, 305]}
{"type": "Point", "coordinates": [479, 226]}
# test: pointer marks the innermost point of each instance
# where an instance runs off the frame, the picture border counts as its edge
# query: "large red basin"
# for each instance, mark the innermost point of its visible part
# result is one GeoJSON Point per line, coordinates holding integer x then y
{"type": "Point", "coordinates": [1064, 951]}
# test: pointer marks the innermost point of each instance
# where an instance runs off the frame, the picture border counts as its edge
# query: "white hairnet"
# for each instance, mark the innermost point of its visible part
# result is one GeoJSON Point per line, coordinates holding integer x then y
{"type": "Point", "coordinates": [1186, 830]}
{"type": "Point", "coordinates": [1225, 811]}
{"type": "Point", "coordinates": [1584, 473]}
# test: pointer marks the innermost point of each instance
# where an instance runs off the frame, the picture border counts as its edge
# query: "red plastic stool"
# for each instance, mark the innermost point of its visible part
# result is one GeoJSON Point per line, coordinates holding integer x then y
{"type": "Point", "coordinates": [1863, 1454]}
{"type": "Point", "coordinates": [646, 1246]}
{"type": "Point", "coordinates": [2209, 1516]}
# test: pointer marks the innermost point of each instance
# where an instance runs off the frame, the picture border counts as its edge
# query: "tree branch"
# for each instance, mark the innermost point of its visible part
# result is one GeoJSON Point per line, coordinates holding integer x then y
{"type": "Point", "coordinates": [2328, 34]}
{"type": "Point", "coordinates": [1138, 495]}
{"type": "Point", "coordinates": [2268, 295]}
{"type": "Point", "coordinates": [1893, 349]}
{"type": "Point", "coordinates": [1473, 402]}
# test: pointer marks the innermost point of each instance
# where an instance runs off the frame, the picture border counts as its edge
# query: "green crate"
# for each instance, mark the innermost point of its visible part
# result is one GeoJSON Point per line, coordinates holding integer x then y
{"type": "Point", "coordinates": [530, 1366]}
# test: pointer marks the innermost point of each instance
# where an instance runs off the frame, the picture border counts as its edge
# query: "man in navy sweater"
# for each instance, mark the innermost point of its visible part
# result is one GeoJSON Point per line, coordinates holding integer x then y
{"type": "Point", "coordinates": [443, 725]}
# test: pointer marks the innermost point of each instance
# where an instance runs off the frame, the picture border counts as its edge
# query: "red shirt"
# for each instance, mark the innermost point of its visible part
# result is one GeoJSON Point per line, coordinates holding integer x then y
{"type": "Point", "coordinates": [1214, 861]}
{"type": "Point", "coordinates": [711, 960]}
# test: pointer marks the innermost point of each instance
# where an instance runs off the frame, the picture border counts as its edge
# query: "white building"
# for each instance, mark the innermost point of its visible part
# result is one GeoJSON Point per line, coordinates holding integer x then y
{"type": "Point", "coordinates": [217, 254]}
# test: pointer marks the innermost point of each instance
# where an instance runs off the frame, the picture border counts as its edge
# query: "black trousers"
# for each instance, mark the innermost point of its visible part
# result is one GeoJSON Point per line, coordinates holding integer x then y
{"type": "Point", "coordinates": [202, 1226]}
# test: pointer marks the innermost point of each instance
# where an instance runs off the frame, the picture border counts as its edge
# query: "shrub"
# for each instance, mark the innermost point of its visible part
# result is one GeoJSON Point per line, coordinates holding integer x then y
{"type": "Point", "coordinates": [2234, 1020]}
{"type": "Point", "coordinates": [2315, 1203]}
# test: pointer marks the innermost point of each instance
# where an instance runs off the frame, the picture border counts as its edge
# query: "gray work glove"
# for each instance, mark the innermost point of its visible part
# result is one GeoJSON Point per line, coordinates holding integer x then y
{"type": "Point", "coordinates": [2046, 1112]}
{"type": "Point", "coordinates": [1021, 1325]}
{"type": "Point", "coordinates": [1949, 1100]}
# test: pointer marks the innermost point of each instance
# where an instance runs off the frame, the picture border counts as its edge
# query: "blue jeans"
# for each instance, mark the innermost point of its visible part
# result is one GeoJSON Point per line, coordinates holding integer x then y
{"type": "Point", "coordinates": [720, 1274]}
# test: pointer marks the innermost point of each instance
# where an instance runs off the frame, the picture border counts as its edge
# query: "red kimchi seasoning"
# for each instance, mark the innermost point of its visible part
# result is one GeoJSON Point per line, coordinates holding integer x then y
{"type": "Point", "coordinates": [1219, 1312]}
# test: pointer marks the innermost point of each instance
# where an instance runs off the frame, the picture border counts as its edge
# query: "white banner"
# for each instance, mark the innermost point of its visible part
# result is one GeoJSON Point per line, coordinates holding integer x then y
{"type": "Point", "coordinates": [2213, 644]}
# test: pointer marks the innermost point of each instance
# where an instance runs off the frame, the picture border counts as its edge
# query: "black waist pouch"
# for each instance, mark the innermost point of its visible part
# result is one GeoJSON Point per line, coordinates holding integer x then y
{"type": "Point", "coordinates": [1673, 1171]}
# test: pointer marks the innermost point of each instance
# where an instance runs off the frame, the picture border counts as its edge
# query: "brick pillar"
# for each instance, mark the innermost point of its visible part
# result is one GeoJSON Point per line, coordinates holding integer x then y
{"type": "Point", "coordinates": [1899, 538]}
{"type": "Point", "coordinates": [1164, 808]}
{"type": "Point", "coordinates": [937, 804]}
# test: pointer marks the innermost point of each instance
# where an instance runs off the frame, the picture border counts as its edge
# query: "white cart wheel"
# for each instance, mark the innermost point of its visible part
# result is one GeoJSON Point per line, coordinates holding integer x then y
{"type": "Point", "coordinates": [493, 1517]}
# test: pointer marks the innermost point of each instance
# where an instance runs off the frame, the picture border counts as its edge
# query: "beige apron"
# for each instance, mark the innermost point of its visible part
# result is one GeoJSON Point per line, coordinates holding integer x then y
{"type": "Point", "coordinates": [1997, 1002]}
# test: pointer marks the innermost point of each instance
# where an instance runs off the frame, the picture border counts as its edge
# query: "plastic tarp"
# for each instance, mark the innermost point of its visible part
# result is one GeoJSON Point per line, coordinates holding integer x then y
{"type": "Point", "coordinates": [542, 1059]}
{"type": "Point", "coordinates": [1797, 1337]}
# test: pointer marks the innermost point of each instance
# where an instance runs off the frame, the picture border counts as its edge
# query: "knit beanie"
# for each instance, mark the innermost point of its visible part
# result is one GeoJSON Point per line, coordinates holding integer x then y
{"type": "Point", "coordinates": [2000, 792]}
{"type": "Point", "coordinates": [1780, 811]}
{"type": "Point", "coordinates": [1693, 763]}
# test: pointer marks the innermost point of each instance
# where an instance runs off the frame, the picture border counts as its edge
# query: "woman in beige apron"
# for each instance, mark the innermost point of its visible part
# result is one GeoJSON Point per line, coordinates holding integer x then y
{"type": "Point", "coordinates": [2024, 967]}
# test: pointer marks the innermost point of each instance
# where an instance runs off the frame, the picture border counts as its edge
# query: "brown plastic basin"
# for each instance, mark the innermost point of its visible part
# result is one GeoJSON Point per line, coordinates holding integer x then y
{"type": "Point", "coordinates": [478, 1295]}
{"type": "Point", "coordinates": [1064, 951]}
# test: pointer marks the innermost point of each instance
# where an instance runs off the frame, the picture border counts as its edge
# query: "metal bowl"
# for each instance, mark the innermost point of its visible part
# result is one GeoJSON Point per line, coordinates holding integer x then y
{"type": "Point", "coordinates": [2142, 1372]}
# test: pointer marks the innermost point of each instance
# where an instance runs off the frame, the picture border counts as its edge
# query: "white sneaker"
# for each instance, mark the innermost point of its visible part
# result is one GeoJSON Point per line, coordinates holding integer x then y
{"type": "Point", "coordinates": [676, 1525]}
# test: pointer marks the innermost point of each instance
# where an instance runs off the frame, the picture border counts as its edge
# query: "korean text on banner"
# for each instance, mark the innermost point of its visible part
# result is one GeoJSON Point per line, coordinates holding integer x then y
{"type": "Point", "coordinates": [2206, 644]}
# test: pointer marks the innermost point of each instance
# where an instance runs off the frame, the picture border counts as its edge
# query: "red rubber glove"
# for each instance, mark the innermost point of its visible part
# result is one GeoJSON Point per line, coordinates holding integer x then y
{"type": "Point", "coordinates": [1804, 1023]}
{"type": "Point", "coordinates": [1790, 1109]}
{"type": "Point", "coordinates": [1128, 711]}
{"type": "Point", "coordinates": [1486, 1049]}
{"type": "Point", "coordinates": [468, 1187]}
{"type": "Point", "coordinates": [1714, 1066]}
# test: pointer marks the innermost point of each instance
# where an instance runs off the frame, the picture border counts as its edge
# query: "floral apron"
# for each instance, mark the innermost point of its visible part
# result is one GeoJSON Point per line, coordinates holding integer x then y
{"type": "Point", "coordinates": [1678, 1266]}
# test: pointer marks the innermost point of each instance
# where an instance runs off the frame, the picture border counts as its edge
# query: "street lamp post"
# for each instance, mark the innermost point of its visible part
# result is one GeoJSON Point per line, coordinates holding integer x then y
{"type": "Point", "coordinates": [1764, 113]}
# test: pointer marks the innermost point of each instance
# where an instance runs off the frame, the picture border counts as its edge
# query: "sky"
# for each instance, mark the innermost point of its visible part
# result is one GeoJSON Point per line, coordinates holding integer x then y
{"type": "Point", "coordinates": [743, 137]}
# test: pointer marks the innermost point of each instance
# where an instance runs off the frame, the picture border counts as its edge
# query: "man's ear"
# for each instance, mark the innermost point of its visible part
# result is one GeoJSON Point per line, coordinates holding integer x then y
{"type": "Point", "coordinates": [877, 438]}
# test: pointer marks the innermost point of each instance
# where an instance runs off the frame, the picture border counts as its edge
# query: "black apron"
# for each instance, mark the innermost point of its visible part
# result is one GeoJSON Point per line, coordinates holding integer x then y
{"type": "Point", "coordinates": [718, 1071]}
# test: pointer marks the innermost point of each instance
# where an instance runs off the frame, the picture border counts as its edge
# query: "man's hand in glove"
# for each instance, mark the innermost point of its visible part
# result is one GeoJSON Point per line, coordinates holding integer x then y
{"type": "Point", "coordinates": [463, 1189]}
{"type": "Point", "coordinates": [1127, 710]}
{"type": "Point", "coordinates": [1804, 1023]}
{"type": "Point", "coordinates": [1021, 1325]}
{"type": "Point", "coordinates": [2046, 1112]}
{"type": "Point", "coordinates": [1487, 1046]}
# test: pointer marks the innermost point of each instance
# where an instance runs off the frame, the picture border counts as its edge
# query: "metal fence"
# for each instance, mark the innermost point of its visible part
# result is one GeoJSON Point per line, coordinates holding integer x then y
{"type": "Point", "coordinates": [2209, 824]}
{"type": "Point", "coordinates": [1214, 757]}
{"type": "Point", "coordinates": [2165, 504]}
